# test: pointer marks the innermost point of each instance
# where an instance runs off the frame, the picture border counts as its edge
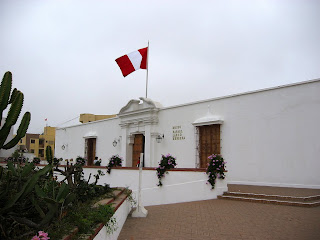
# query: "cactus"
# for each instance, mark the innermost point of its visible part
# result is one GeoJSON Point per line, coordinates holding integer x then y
{"type": "Point", "coordinates": [16, 102]}
{"type": "Point", "coordinates": [49, 154]}
{"type": "Point", "coordinates": [27, 187]}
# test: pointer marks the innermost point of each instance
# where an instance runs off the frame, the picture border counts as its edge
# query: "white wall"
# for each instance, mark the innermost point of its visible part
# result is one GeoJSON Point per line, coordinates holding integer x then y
{"type": "Point", "coordinates": [73, 138]}
{"type": "Point", "coordinates": [268, 137]}
{"type": "Point", "coordinates": [120, 216]}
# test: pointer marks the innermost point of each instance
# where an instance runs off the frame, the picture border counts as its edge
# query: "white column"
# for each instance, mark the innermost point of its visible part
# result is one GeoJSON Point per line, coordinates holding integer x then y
{"type": "Point", "coordinates": [147, 146]}
{"type": "Point", "coordinates": [124, 145]}
{"type": "Point", "coordinates": [140, 211]}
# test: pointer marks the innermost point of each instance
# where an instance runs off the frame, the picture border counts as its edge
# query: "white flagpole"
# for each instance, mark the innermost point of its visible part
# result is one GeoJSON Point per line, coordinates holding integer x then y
{"type": "Point", "coordinates": [147, 70]}
{"type": "Point", "coordinates": [140, 211]}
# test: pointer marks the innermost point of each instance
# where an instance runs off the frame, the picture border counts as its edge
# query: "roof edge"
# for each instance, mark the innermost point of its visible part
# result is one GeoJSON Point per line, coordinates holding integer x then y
{"type": "Point", "coordinates": [244, 93]}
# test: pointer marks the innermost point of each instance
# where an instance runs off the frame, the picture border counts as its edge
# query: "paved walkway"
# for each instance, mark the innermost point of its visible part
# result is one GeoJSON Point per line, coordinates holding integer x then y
{"type": "Point", "coordinates": [224, 219]}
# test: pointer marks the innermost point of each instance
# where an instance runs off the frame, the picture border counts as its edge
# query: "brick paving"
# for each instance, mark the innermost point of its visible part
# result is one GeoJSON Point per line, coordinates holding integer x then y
{"type": "Point", "coordinates": [224, 219]}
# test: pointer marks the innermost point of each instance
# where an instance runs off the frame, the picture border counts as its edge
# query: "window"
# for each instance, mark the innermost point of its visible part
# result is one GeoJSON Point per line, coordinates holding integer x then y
{"type": "Point", "coordinates": [32, 150]}
{"type": "Point", "coordinates": [20, 140]}
{"type": "Point", "coordinates": [41, 152]}
{"type": "Point", "coordinates": [33, 141]}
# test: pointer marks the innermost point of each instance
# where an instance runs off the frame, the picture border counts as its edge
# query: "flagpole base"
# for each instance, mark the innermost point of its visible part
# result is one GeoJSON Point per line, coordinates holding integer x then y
{"type": "Point", "coordinates": [140, 212]}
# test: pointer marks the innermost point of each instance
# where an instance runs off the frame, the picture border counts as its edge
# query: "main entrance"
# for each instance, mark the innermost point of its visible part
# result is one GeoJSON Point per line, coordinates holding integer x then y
{"type": "Point", "coordinates": [137, 148]}
{"type": "Point", "coordinates": [209, 142]}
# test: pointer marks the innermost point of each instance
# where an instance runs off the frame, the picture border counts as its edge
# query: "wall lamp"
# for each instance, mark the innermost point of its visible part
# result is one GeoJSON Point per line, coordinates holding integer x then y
{"type": "Point", "coordinates": [159, 138]}
{"type": "Point", "coordinates": [115, 142]}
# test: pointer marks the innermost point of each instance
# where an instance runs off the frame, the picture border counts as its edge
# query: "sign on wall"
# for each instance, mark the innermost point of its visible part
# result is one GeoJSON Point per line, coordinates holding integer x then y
{"type": "Point", "coordinates": [177, 133]}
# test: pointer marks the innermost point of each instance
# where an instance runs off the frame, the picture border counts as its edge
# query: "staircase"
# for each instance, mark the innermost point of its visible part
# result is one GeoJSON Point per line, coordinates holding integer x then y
{"type": "Point", "coordinates": [300, 197]}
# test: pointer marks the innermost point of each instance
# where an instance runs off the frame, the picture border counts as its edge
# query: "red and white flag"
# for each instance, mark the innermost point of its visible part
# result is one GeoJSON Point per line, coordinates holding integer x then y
{"type": "Point", "coordinates": [133, 61]}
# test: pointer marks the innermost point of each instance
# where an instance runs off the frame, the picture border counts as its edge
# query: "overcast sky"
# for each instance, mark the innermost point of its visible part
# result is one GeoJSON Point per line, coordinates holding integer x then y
{"type": "Point", "coordinates": [62, 53]}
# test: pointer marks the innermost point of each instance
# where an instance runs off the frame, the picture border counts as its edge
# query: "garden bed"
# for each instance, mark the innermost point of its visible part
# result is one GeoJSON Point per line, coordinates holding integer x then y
{"type": "Point", "coordinates": [37, 204]}
{"type": "Point", "coordinates": [122, 207]}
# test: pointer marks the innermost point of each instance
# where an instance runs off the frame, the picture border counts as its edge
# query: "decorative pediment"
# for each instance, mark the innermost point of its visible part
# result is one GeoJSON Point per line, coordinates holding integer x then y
{"type": "Point", "coordinates": [208, 119]}
{"type": "Point", "coordinates": [139, 112]}
{"type": "Point", "coordinates": [136, 105]}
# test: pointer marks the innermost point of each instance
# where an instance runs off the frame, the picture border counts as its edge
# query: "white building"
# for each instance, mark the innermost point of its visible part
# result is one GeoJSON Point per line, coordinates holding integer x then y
{"type": "Point", "coordinates": [267, 137]}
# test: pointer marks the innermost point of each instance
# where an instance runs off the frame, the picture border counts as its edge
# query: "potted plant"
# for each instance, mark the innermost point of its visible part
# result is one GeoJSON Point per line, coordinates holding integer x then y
{"type": "Point", "coordinates": [215, 169]}
{"type": "Point", "coordinates": [167, 162]}
{"type": "Point", "coordinates": [114, 161]}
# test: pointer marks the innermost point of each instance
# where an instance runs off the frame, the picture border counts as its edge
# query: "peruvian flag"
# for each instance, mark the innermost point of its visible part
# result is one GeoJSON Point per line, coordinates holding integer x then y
{"type": "Point", "coordinates": [133, 61]}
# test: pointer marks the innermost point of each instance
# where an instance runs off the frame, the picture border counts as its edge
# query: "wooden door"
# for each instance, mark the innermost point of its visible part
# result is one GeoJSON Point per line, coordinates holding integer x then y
{"type": "Point", "coordinates": [209, 142]}
{"type": "Point", "coordinates": [137, 148]}
{"type": "Point", "coordinates": [91, 150]}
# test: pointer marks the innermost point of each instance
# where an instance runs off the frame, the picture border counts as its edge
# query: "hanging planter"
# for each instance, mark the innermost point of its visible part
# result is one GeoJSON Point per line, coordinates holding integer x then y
{"type": "Point", "coordinates": [115, 161]}
{"type": "Point", "coordinates": [167, 162]}
{"type": "Point", "coordinates": [215, 169]}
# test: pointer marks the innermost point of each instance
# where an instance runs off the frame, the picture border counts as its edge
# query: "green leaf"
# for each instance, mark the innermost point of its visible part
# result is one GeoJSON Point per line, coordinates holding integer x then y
{"type": "Point", "coordinates": [53, 209]}
{"type": "Point", "coordinates": [69, 199]}
{"type": "Point", "coordinates": [37, 207]}
{"type": "Point", "coordinates": [63, 192]}
{"type": "Point", "coordinates": [27, 187]}
{"type": "Point", "coordinates": [39, 191]}
{"type": "Point", "coordinates": [50, 200]}
{"type": "Point", "coordinates": [35, 178]}
{"type": "Point", "coordinates": [11, 168]}
{"type": "Point", "coordinates": [27, 169]}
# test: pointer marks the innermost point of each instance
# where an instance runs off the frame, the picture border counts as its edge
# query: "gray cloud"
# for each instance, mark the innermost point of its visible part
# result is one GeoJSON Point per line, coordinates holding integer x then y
{"type": "Point", "coordinates": [62, 53]}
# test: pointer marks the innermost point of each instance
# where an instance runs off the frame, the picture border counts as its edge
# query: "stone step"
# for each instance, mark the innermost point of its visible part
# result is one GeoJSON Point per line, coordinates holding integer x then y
{"type": "Point", "coordinates": [271, 201]}
{"type": "Point", "coordinates": [272, 190]}
{"type": "Point", "coordinates": [274, 197]}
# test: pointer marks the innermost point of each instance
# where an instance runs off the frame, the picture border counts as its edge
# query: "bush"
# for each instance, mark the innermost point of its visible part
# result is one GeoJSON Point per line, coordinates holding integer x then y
{"type": "Point", "coordinates": [32, 198]}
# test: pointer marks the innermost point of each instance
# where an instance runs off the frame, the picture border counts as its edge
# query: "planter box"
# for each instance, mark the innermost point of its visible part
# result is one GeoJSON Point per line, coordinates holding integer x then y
{"type": "Point", "coordinates": [122, 207]}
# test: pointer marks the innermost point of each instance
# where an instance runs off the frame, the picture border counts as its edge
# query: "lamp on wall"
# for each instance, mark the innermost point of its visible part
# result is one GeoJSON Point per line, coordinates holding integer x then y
{"type": "Point", "coordinates": [159, 138]}
{"type": "Point", "coordinates": [115, 142]}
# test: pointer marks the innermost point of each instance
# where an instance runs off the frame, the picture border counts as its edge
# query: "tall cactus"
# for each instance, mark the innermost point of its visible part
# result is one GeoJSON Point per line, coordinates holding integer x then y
{"type": "Point", "coordinates": [49, 156]}
{"type": "Point", "coordinates": [16, 102]}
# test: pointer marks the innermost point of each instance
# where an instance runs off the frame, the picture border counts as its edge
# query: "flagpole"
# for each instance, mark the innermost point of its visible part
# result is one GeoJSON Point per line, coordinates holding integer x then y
{"type": "Point", "coordinates": [147, 70]}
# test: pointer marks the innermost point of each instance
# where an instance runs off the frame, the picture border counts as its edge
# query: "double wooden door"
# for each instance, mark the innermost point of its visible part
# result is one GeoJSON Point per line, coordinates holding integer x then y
{"type": "Point", "coordinates": [209, 142]}
{"type": "Point", "coordinates": [137, 148]}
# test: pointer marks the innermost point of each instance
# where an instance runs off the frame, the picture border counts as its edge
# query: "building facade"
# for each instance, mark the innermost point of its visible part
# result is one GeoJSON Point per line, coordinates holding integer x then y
{"type": "Point", "coordinates": [267, 137]}
{"type": "Point", "coordinates": [37, 143]}
{"type": "Point", "coordinates": [87, 117]}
